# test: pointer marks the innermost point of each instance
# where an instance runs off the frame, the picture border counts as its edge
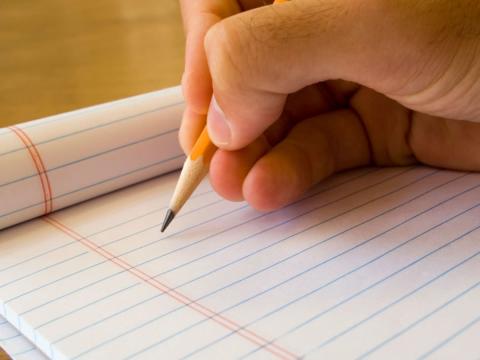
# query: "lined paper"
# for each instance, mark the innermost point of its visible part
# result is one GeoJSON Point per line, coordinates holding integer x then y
{"type": "Point", "coordinates": [16, 345]}
{"type": "Point", "coordinates": [64, 159]}
{"type": "Point", "coordinates": [374, 263]}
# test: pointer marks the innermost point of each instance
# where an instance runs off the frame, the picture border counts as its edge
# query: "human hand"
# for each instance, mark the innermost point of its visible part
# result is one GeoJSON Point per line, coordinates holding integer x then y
{"type": "Point", "coordinates": [309, 88]}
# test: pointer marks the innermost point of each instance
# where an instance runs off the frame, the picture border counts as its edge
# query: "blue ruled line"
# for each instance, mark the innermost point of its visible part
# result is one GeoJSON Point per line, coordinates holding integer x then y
{"type": "Point", "coordinates": [399, 300]}
{"type": "Point", "coordinates": [102, 320]}
{"type": "Point", "coordinates": [76, 290]}
{"type": "Point", "coordinates": [95, 282]}
{"type": "Point", "coordinates": [163, 208]}
{"type": "Point", "coordinates": [10, 337]}
{"type": "Point", "coordinates": [245, 222]}
{"type": "Point", "coordinates": [41, 203]}
{"type": "Point", "coordinates": [162, 315]}
{"type": "Point", "coordinates": [89, 157]}
{"type": "Point", "coordinates": [52, 320]}
{"type": "Point", "coordinates": [451, 337]}
{"type": "Point", "coordinates": [344, 275]}
{"type": "Point", "coordinates": [428, 315]}
{"type": "Point", "coordinates": [158, 225]}
{"type": "Point", "coordinates": [80, 112]}
{"type": "Point", "coordinates": [314, 194]}
{"type": "Point", "coordinates": [103, 262]}
{"type": "Point", "coordinates": [384, 180]}
{"type": "Point", "coordinates": [23, 352]}
{"type": "Point", "coordinates": [35, 272]}
{"type": "Point", "coordinates": [364, 290]}
{"type": "Point", "coordinates": [16, 297]}
{"type": "Point", "coordinates": [102, 231]}
{"type": "Point", "coordinates": [260, 232]}
{"type": "Point", "coordinates": [92, 128]}
{"type": "Point", "coordinates": [182, 214]}
{"type": "Point", "coordinates": [286, 238]}
{"type": "Point", "coordinates": [243, 327]}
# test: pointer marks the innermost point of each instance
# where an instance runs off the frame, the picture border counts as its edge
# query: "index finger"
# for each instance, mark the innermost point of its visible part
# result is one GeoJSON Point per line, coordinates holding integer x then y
{"type": "Point", "coordinates": [198, 17]}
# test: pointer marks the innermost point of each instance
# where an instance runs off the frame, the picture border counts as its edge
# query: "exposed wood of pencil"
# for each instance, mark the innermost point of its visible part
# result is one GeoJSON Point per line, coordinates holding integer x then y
{"type": "Point", "coordinates": [194, 170]}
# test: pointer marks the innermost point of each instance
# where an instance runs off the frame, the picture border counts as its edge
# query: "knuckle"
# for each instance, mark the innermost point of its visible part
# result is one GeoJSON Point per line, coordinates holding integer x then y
{"type": "Point", "coordinates": [228, 53]}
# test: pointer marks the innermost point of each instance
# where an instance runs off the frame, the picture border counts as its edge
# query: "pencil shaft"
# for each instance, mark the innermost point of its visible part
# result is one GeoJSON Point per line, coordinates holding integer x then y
{"type": "Point", "coordinates": [192, 174]}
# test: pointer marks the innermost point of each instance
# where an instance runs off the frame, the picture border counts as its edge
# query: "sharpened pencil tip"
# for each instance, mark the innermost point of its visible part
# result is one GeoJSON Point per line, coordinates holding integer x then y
{"type": "Point", "coordinates": [168, 219]}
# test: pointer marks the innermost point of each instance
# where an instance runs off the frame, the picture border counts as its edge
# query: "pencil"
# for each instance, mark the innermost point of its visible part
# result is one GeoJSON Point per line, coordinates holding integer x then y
{"type": "Point", "coordinates": [194, 170]}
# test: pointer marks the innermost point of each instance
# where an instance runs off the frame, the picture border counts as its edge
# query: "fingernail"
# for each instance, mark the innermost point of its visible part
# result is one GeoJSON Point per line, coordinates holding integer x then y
{"type": "Point", "coordinates": [218, 125]}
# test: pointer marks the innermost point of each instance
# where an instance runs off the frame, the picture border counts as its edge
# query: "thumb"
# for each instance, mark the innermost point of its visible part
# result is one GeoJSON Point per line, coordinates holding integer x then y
{"type": "Point", "coordinates": [258, 57]}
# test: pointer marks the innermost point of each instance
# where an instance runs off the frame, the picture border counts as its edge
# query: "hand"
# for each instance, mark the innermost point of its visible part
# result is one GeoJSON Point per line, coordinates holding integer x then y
{"type": "Point", "coordinates": [311, 87]}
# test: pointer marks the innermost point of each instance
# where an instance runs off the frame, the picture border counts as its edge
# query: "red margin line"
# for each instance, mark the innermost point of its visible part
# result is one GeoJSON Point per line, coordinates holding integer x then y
{"type": "Point", "coordinates": [249, 335]}
{"type": "Point", "coordinates": [39, 165]}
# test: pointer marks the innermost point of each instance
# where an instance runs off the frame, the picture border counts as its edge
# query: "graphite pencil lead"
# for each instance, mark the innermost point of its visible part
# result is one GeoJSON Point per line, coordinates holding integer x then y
{"type": "Point", "coordinates": [168, 219]}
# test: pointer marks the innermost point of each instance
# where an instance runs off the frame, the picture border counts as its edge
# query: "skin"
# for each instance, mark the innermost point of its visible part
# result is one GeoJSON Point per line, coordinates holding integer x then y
{"type": "Point", "coordinates": [307, 88]}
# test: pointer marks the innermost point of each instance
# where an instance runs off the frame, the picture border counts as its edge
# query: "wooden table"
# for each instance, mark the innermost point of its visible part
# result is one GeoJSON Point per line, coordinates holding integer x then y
{"type": "Point", "coordinates": [58, 55]}
{"type": "Point", "coordinates": [3, 355]}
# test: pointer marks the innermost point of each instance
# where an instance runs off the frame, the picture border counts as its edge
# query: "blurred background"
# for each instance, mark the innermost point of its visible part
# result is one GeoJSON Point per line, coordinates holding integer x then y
{"type": "Point", "coordinates": [58, 55]}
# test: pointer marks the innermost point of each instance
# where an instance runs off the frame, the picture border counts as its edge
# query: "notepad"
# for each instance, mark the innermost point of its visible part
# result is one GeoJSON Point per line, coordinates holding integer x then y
{"type": "Point", "coordinates": [16, 345]}
{"type": "Point", "coordinates": [371, 263]}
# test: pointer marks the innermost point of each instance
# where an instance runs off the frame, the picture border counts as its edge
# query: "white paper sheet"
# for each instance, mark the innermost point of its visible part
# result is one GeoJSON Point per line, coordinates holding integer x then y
{"type": "Point", "coordinates": [16, 345]}
{"type": "Point", "coordinates": [377, 263]}
{"type": "Point", "coordinates": [55, 162]}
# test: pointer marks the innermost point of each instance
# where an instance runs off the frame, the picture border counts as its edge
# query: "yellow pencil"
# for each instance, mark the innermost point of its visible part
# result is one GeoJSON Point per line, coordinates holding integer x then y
{"type": "Point", "coordinates": [194, 170]}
